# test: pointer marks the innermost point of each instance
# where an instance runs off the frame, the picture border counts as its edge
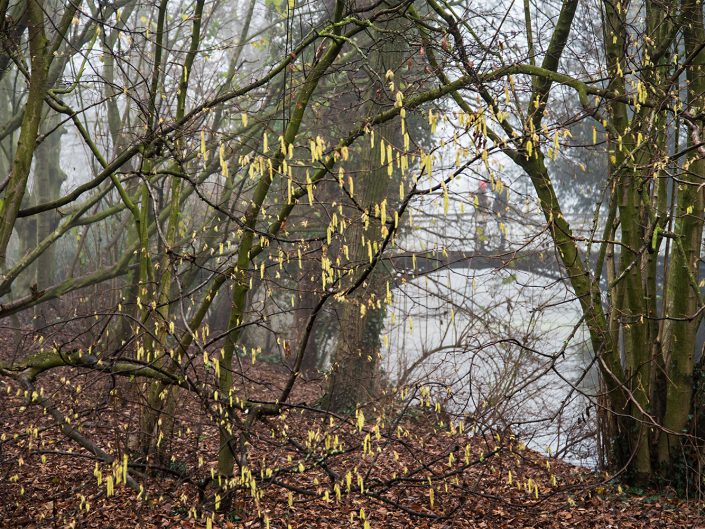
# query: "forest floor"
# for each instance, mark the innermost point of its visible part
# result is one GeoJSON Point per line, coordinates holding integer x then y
{"type": "Point", "coordinates": [414, 471]}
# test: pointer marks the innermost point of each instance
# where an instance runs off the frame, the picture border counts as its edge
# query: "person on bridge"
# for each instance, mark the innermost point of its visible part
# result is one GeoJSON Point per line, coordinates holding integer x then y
{"type": "Point", "coordinates": [500, 206]}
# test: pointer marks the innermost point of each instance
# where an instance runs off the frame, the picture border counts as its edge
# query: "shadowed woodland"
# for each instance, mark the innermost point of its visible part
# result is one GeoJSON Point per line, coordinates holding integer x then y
{"type": "Point", "coordinates": [297, 263]}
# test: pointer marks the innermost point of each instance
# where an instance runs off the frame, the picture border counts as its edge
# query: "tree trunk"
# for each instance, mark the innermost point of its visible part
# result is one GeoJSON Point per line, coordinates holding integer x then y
{"type": "Point", "coordinates": [684, 291]}
{"type": "Point", "coordinates": [17, 183]}
{"type": "Point", "coordinates": [47, 181]}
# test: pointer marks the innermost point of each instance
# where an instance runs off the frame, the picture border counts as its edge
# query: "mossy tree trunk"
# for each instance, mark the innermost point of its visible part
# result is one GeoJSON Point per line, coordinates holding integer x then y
{"type": "Point", "coordinates": [24, 154]}
{"type": "Point", "coordinates": [353, 377]}
{"type": "Point", "coordinates": [683, 289]}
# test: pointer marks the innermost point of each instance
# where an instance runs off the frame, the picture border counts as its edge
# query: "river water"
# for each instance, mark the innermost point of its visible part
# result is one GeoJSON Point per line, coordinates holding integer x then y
{"type": "Point", "coordinates": [504, 348]}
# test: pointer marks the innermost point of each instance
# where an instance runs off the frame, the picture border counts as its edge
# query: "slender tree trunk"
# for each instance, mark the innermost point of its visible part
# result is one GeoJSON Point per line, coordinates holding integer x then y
{"type": "Point", "coordinates": [17, 184]}
{"type": "Point", "coordinates": [683, 288]}
{"type": "Point", "coordinates": [630, 302]}
{"type": "Point", "coordinates": [157, 419]}
{"type": "Point", "coordinates": [227, 451]}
